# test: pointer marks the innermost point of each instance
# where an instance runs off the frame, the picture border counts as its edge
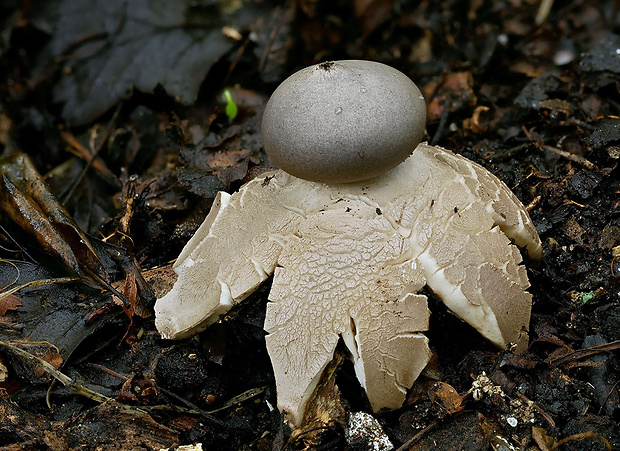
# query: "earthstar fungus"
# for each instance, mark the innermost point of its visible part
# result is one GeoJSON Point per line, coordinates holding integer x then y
{"type": "Point", "coordinates": [349, 260]}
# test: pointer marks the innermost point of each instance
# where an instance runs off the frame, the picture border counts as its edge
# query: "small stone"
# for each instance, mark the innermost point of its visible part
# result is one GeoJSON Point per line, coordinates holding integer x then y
{"type": "Point", "coordinates": [364, 432]}
{"type": "Point", "coordinates": [512, 421]}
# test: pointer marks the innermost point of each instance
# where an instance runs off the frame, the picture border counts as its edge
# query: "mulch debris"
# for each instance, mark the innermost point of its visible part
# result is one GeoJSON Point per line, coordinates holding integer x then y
{"type": "Point", "coordinates": [121, 110]}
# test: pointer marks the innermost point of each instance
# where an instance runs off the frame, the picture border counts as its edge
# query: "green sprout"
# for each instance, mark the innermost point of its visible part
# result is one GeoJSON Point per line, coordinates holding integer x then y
{"type": "Point", "coordinates": [586, 297]}
{"type": "Point", "coordinates": [231, 106]}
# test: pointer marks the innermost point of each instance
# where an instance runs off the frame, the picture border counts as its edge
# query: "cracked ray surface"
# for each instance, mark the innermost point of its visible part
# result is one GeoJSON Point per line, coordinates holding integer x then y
{"type": "Point", "coordinates": [335, 278]}
{"type": "Point", "coordinates": [349, 260]}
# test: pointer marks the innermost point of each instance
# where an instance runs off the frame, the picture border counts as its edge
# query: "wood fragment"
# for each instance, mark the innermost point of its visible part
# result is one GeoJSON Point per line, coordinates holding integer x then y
{"type": "Point", "coordinates": [68, 382]}
{"type": "Point", "coordinates": [543, 11]}
{"type": "Point", "coordinates": [571, 156]}
{"type": "Point", "coordinates": [583, 353]}
{"type": "Point", "coordinates": [533, 204]}
{"type": "Point", "coordinates": [407, 445]}
{"type": "Point", "coordinates": [539, 409]}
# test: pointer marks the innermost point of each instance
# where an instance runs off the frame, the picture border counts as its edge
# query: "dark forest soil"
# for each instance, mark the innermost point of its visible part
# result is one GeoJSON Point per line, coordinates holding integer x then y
{"type": "Point", "coordinates": [134, 140]}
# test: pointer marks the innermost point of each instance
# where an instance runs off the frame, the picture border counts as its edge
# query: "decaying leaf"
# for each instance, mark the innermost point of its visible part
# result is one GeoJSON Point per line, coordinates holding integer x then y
{"type": "Point", "coordinates": [48, 311]}
{"type": "Point", "coordinates": [53, 358]}
{"type": "Point", "coordinates": [115, 46]}
{"type": "Point", "coordinates": [10, 302]}
{"type": "Point", "coordinates": [26, 199]}
{"type": "Point", "coordinates": [454, 93]}
{"type": "Point", "coordinates": [114, 424]}
{"type": "Point", "coordinates": [325, 410]}
{"type": "Point", "coordinates": [446, 396]}
{"type": "Point", "coordinates": [348, 261]}
{"type": "Point", "coordinates": [20, 426]}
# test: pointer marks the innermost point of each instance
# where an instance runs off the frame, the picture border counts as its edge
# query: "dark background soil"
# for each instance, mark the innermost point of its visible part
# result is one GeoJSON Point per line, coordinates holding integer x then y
{"type": "Point", "coordinates": [120, 108]}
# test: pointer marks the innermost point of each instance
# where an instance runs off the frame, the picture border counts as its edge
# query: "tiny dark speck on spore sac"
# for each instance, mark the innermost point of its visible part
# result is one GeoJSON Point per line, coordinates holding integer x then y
{"type": "Point", "coordinates": [378, 210]}
{"type": "Point", "coordinates": [326, 66]}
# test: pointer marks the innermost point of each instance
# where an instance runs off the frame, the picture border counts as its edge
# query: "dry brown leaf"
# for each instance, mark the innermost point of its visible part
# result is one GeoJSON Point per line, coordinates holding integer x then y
{"type": "Point", "coordinates": [475, 122]}
{"type": "Point", "coordinates": [455, 92]}
{"type": "Point", "coordinates": [28, 201]}
{"type": "Point", "coordinates": [446, 396]}
{"type": "Point", "coordinates": [10, 302]}
{"type": "Point", "coordinates": [542, 439]}
{"type": "Point", "coordinates": [53, 358]}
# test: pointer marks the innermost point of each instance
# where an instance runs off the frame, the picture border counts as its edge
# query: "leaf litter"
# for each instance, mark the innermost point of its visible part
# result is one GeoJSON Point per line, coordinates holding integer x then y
{"type": "Point", "coordinates": [533, 103]}
{"type": "Point", "coordinates": [106, 49]}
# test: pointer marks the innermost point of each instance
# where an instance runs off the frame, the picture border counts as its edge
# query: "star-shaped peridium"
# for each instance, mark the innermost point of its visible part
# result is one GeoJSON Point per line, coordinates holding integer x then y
{"type": "Point", "coordinates": [349, 261]}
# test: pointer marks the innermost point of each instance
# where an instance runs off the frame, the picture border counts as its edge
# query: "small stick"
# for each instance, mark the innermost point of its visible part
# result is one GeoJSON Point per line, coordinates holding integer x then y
{"type": "Point", "coordinates": [571, 156]}
{"type": "Point", "coordinates": [588, 352]}
{"type": "Point", "coordinates": [543, 11]}
{"type": "Point", "coordinates": [65, 380]}
{"type": "Point", "coordinates": [542, 413]}
{"type": "Point", "coordinates": [407, 445]}
{"type": "Point", "coordinates": [581, 436]}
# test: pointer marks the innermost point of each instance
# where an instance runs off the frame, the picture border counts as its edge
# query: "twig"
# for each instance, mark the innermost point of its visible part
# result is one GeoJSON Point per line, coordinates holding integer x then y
{"type": "Point", "coordinates": [195, 409]}
{"type": "Point", "coordinates": [77, 149]}
{"type": "Point", "coordinates": [533, 204]}
{"type": "Point", "coordinates": [106, 284]}
{"type": "Point", "coordinates": [571, 156]}
{"type": "Point", "coordinates": [607, 397]}
{"type": "Point", "coordinates": [542, 413]}
{"type": "Point", "coordinates": [38, 283]}
{"type": "Point", "coordinates": [272, 36]}
{"type": "Point", "coordinates": [581, 436]}
{"type": "Point", "coordinates": [407, 445]}
{"type": "Point", "coordinates": [65, 380]}
{"type": "Point", "coordinates": [94, 153]}
{"type": "Point", "coordinates": [583, 353]}
{"type": "Point", "coordinates": [238, 54]}
{"type": "Point", "coordinates": [543, 11]}
{"type": "Point", "coordinates": [20, 248]}
{"type": "Point", "coordinates": [248, 394]}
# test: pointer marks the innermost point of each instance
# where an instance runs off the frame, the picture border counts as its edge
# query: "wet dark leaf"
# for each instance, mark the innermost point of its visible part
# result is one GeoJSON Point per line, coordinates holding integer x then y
{"type": "Point", "coordinates": [48, 313]}
{"type": "Point", "coordinates": [114, 426]}
{"type": "Point", "coordinates": [537, 91]}
{"type": "Point", "coordinates": [224, 157]}
{"type": "Point", "coordinates": [115, 46]}
{"type": "Point", "coordinates": [607, 130]}
{"type": "Point", "coordinates": [604, 56]}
